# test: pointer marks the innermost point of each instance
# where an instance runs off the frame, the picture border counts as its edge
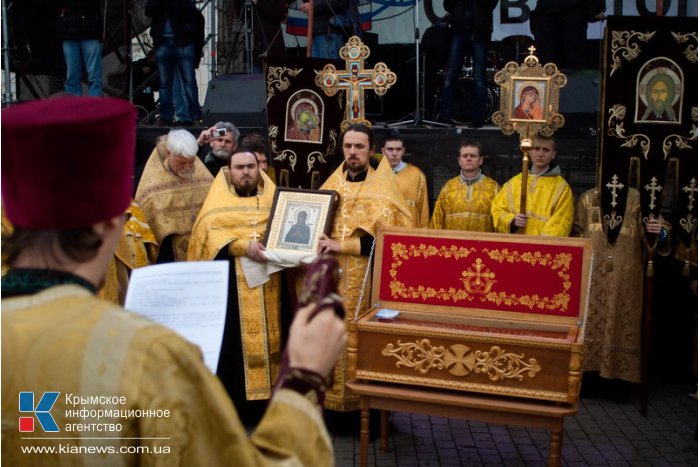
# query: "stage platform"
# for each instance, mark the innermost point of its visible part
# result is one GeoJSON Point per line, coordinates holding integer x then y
{"type": "Point", "coordinates": [434, 150]}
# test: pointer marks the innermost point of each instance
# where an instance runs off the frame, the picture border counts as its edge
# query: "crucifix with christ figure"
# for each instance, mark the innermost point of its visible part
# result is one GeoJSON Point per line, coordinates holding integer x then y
{"type": "Point", "coordinates": [355, 80]}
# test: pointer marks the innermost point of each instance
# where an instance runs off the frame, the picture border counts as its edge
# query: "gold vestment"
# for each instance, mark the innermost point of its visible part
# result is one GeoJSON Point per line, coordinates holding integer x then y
{"type": "Point", "coordinates": [137, 248]}
{"type": "Point", "coordinates": [362, 209]}
{"type": "Point", "coordinates": [411, 181]}
{"type": "Point", "coordinates": [462, 206]}
{"type": "Point", "coordinates": [65, 339]}
{"type": "Point", "coordinates": [227, 219]}
{"type": "Point", "coordinates": [550, 205]}
{"type": "Point", "coordinates": [171, 203]}
{"type": "Point", "coordinates": [614, 321]}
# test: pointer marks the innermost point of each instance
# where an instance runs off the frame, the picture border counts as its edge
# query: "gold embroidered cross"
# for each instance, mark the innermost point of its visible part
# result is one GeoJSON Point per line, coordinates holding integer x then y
{"type": "Point", "coordinates": [355, 80]}
{"type": "Point", "coordinates": [254, 236]}
{"type": "Point", "coordinates": [691, 190]}
{"type": "Point", "coordinates": [614, 185]}
{"type": "Point", "coordinates": [652, 188]}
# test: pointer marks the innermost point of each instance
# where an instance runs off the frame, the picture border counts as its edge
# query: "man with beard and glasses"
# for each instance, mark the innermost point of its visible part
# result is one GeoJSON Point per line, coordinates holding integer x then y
{"type": "Point", "coordinates": [222, 144]}
{"type": "Point", "coordinates": [171, 191]}
{"type": "Point", "coordinates": [230, 227]}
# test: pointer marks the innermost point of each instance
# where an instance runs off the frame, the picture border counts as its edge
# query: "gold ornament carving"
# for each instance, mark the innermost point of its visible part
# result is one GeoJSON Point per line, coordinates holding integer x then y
{"type": "Point", "coordinates": [459, 360]}
{"type": "Point", "coordinates": [616, 129]}
{"type": "Point", "coordinates": [278, 79]}
{"type": "Point", "coordinates": [690, 52]}
{"type": "Point", "coordinates": [623, 46]}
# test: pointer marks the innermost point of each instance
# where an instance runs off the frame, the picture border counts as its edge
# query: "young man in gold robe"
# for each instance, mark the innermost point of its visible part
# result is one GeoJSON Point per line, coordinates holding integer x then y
{"type": "Point", "coordinates": [132, 392]}
{"type": "Point", "coordinates": [614, 320]}
{"type": "Point", "coordinates": [550, 202]}
{"type": "Point", "coordinates": [411, 179]}
{"type": "Point", "coordinates": [369, 199]}
{"type": "Point", "coordinates": [464, 202]}
{"type": "Point", "coordinates": [171, 191]}
{"type": "Point", "coordinates": [230, 226]}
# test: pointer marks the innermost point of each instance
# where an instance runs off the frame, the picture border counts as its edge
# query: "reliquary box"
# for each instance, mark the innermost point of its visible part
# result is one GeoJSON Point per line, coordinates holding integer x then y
{"type": "Point", "coordinates": [479, 312]}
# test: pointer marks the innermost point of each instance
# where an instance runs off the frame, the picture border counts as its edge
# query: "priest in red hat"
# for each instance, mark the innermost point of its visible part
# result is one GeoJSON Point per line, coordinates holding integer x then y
{"type": "Point", "coordinates": [114, 381]}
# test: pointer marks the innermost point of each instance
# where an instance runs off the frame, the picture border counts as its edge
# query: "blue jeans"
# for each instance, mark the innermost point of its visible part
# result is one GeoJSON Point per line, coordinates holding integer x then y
{"type": "Point", "coordinates": [327, 45]}
{"type": "Point", "coordinates": [175, 60]}
{"type": "Point", "coordinates": [76, 52]}
{"type": "Point", "coordinates": [460, 45]}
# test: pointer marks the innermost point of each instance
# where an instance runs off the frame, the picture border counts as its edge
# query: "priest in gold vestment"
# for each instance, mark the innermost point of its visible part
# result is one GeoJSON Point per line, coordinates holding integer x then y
{"type": "Point", "coordinates": [171, 191]}
{"type": "Point", "coordinates": [111, 381]}
{"type": "Point", "coordinates": [411, 179]}
{"type": "Point", "coordinates": [137, 248]}
{"type": "Point", "coordinates": [368, 200]}
{"type": "Point", "coordinates": [464, 202]}
{"type": "Point", "coordinates": [614, 321]}
{"type": "Point", "coordinates": [550, 202]}
{"type": "Point", "coordinates": [230, 226]}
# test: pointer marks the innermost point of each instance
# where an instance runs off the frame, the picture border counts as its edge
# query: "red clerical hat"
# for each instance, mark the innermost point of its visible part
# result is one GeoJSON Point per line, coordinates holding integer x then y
{"type": "Point", "coordinates": [67, 162]}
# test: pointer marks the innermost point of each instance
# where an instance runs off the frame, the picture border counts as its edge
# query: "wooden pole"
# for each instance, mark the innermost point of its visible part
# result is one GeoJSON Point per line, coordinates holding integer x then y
{"type": "Point", "coordinates": [310, 29]}
{"type": "Point", "coordinates": [646, 331]}
{"type": "Point", "coordinates": [526, 145]}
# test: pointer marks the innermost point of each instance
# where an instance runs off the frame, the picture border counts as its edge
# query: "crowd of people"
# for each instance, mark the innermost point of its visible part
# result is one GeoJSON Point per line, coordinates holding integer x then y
{"type": "Point", "coordinates": [210, 197]}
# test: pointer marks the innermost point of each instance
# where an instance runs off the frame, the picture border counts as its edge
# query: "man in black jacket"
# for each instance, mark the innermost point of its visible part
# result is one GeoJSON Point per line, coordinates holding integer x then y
{"type": "Point", "coordinates": [177, 29]}
{"type": "Point", "coordinates": [560, 28]}
{"type": "Point", "coordinates": [471, 24]}
{"type": "Point", "coordinates": [80, 26]}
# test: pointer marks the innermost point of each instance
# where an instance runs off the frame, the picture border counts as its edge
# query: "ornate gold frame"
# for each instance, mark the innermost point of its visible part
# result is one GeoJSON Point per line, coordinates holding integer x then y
{"type": "Point", "coordinates": [546, 79]}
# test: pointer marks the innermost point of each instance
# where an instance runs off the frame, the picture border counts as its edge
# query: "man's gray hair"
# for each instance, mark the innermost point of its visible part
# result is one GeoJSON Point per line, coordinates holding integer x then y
{"type": "Point", "coordinates": [182, 143]}
{"type": "Point", "coordinates": [230, 128]}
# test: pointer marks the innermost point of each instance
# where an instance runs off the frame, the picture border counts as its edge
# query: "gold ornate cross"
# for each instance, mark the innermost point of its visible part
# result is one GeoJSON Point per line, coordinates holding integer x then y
{"type": "Point", "coordinates": [254, 236]}
{"type": "Point", "coordinates": [355, 79]}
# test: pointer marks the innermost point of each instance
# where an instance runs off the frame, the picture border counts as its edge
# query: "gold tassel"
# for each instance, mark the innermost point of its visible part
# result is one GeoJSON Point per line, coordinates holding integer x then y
{"type": "Point", "coordinates": [686, 269]}
{"type": "Point", "coordinates": [609, 265]}
{"type": "Point", "coordinates": [650, 269]}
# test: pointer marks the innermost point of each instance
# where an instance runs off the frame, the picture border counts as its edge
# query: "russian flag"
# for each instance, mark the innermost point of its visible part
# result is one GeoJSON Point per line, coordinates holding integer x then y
{"type": "Point", "coordinates": [297, 20]}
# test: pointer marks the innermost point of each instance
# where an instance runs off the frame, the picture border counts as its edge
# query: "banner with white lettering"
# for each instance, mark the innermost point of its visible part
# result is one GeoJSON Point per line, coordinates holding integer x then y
{"type": "Point", "coordinates": [394, 20]}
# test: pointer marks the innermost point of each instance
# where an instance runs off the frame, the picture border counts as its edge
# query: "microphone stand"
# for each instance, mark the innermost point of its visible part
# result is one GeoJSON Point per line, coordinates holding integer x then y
{"type": "Point", "coordinates": [418, 119]}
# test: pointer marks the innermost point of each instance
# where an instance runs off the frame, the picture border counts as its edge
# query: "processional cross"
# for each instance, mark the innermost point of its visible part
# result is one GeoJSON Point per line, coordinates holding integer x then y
{"type": "Point", "coordinates": [355, 80]}
{"type": "Point", "coordinates": [517, 79]}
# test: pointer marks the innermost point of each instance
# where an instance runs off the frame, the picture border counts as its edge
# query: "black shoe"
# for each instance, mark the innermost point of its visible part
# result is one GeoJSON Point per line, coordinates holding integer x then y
{"type": "Point", "coordinates": [474, 125]}
{"type": "Point", "coordinates": [184, 123]}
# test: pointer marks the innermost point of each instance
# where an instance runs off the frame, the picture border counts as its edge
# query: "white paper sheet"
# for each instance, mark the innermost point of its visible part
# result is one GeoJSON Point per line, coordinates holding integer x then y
{"type": "Point", "coordinates": [189, 298]}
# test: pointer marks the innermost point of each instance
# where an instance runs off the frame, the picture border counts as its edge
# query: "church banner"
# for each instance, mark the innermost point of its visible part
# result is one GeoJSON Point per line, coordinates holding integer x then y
{"type": "Point", "coordinates": [649, 119]}
{"type": "Point", "coordinates": [303, 122]}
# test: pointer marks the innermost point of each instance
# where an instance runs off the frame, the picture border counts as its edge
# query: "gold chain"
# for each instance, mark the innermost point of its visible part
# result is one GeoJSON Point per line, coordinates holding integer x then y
{"type": "Point", "coordinates": [344, 210]}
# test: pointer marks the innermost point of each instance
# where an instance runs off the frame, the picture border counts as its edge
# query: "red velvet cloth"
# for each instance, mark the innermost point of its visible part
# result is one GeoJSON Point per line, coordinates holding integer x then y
{"type": "Point", "coordinates": [503, 276]}
{"type": "Point", "coordinates": [67, 162]}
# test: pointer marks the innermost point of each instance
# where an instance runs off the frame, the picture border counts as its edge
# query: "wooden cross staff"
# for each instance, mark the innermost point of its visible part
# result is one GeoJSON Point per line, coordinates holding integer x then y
{"type": "Point", "coordinates": [355, 79]}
